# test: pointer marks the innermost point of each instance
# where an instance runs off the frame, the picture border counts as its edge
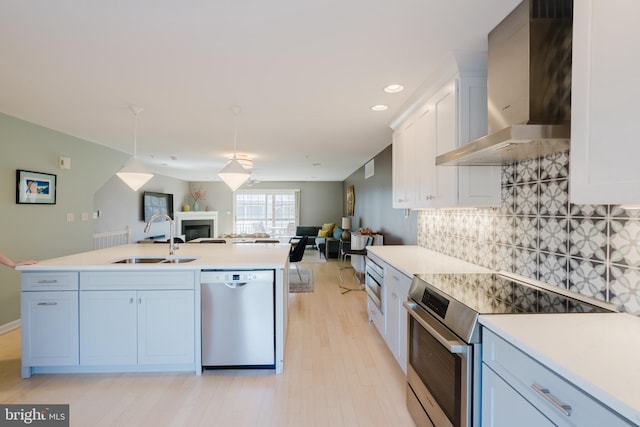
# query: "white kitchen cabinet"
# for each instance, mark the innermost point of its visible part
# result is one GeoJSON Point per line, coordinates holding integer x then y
{"type": "Point", "coordinates": [49, 320]}
{"type": "Point", "coordinates": [404, 165]}
{"type": "Point", "coordinates": [502, 405]}
{"type": "Point", "coordinates": [136, 327]}
{"type": "Point", "coordinates": [527, 382]}
{"type": "Point", "coordinates": [49, 328]}
{"type": "Point", "coordinates": [451, 117]}
{"type": "Point", "coordinates": [604, 153]}
{"type": "Point", "coordinates": [137, 319]}
{"type": "Point", "coordinates": [396, 288]}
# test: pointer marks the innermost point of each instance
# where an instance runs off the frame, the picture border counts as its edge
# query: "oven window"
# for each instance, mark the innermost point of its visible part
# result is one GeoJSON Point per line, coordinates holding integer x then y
{"type": "Point", "coordinates": [439, 370]}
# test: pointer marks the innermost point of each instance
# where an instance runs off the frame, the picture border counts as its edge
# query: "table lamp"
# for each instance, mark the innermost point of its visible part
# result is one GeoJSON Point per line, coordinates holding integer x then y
{"type": "Point", "coordinates": [346, 227]}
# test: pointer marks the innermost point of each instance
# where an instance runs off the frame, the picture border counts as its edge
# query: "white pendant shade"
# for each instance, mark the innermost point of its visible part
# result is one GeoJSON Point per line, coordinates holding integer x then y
{"type": "Point", "coordinates": [234, 175]}
{"type": "Point", "coordinates": [134, 174]}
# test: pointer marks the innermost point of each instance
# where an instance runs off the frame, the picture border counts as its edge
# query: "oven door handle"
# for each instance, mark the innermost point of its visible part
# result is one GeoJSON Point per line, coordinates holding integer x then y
{"type": "Point", "coordinates": [454, 346]}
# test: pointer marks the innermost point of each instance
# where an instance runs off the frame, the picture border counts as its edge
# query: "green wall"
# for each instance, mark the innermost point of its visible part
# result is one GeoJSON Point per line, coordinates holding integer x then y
{"type": "Point", "coordinates": [42, 231]}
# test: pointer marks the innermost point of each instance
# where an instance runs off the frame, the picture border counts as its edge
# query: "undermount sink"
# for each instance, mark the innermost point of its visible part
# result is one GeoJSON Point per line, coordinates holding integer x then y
{"type": "Point", "coordinates": [155, 260]}
{"type": "Point", "coordinates": [140, 260]}
{"type": "Point", "coordinates": [178, 260]}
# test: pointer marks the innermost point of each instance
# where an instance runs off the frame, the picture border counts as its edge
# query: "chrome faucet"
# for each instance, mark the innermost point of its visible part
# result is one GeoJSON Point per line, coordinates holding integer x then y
{"type": "Point", "coordinates": [162, 215]}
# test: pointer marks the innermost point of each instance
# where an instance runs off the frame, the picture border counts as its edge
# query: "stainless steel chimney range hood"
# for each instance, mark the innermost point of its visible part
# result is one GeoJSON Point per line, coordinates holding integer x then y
{"type": "Point", "coordinates": [529, 87]}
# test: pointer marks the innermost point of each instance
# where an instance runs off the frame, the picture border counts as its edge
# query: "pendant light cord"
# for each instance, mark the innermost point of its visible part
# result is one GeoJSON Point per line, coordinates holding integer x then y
{"type": "Point", "coordinates": [236, 111]}
{"type": "Point", "coordinates": [135, 110]}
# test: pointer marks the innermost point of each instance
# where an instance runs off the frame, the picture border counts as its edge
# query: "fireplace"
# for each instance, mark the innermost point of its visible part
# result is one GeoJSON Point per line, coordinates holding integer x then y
{"type": "Point", "coordinates": [194, 225]}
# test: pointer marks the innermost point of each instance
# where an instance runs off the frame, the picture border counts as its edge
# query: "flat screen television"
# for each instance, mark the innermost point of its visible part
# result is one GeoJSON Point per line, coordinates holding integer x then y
{"type": "Point", "coordinates": [153, 203]}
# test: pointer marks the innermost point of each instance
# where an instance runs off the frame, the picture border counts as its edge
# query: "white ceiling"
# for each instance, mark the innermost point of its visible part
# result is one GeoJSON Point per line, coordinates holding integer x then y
{"type": "Point", "coordinates": [304, 73]}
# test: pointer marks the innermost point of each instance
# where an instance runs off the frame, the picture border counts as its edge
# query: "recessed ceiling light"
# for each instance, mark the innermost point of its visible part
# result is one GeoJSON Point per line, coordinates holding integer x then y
{"type": "Point", "coordinates": [379, 107]}
{"type": "Point", "coordinates": [394, 88]}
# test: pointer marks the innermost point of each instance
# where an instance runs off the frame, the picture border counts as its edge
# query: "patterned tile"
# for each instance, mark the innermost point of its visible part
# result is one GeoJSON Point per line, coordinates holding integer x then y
{"type": "Point", "coordinates": [554, 166]}
{"type": "Point", "coordinates": [553, 269]}
{"type": "Point", "coordinates": [624, 242]}
{"type": "Point", "coordinates": [625, 288]}
{"type": "Point", "coordinates": [589, 211]}
{"type": "Point", "coordinates": [526, 199]}
{"type": "Point", "coordinates": [554, 198]}
{"type": "Point", "coordinates": [588, 238]}
{"type": "Point", "coordinates": [526, 171]}
{"type": "Point", "coordinates": [507, 203]}
{"type": "Point", "coordinates": [504, 228]}
{"type": "Point", "coordinates": [503, 258]}
{"type": "Point", "coordinates": [618, 211]}
{"type": "Point", "coordinates": [525, 263]}
{"type": "Point", "coordinates": [507, 173]}
{"type": "Point", "coordinates": [554, 235]}
{"type": "Point", "coordinates": [588, 278]}
{"type": "Point", "coordinates": [526, 232]}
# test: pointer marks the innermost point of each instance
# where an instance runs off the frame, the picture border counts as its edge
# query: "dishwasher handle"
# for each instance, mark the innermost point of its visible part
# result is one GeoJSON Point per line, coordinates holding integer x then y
{"type": "Point", "coordinates": [235, 285]}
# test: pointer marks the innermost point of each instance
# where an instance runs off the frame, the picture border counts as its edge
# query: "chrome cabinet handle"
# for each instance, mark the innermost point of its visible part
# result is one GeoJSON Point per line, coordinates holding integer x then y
{"type": "Point", "coordinates": [49, 281]}
{"type": "Point", "coordinates": [48, 303]}
{"type": "Point", "coordinates": [130, 300]}
{"type": "Point", "coordinates": [546, 394]}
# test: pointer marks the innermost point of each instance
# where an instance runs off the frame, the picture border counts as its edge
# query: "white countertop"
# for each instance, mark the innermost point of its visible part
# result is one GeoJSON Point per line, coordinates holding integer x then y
{"type": "Point", "coordinates": [412, 259]}
{"type": "Point", "coordinates": [228, 256]}
{"type": "Point", "coordinates": [599, 353]}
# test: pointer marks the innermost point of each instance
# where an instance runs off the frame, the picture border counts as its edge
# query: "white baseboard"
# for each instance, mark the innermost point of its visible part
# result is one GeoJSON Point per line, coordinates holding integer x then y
{"type": "Point", "coordinates": [9, 326]}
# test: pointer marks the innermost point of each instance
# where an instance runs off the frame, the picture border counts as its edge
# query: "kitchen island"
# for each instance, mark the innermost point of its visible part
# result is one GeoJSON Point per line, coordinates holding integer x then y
{"type": "Point", "coordinates": [133, 308]}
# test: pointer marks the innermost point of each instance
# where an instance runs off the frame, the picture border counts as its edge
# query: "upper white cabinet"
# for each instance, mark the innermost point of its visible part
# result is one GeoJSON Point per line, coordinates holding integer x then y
{"type": "Point", "coordinates": [451, 117]}
{"type": "Point", "coordinates": [604, 148]}
{"type": "Point", "coordinates": [404, 165]}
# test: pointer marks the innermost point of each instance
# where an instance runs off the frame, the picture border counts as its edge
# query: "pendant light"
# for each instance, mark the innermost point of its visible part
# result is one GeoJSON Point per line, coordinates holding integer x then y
{"type": "Point", "coordinates": [234, 174]}
{"type": "Point", "coordinates": [134, 173]}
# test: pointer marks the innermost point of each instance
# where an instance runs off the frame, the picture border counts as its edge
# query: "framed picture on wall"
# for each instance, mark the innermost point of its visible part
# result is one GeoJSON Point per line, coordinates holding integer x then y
{"type": "Point", "coordinates": [35, 188]}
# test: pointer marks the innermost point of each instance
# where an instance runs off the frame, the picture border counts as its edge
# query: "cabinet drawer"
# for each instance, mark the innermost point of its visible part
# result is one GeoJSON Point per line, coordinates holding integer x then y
{"type": "Point", "coordinates": [142, 280]}
{"type": "Point", "coordinates": [534, 381]}
{"type": "Point", "coordinates": [401, 281]}
{"type": "Point", "coordinates": [376, 317]}
{"type": "Point", "coordinates": [49, 281]}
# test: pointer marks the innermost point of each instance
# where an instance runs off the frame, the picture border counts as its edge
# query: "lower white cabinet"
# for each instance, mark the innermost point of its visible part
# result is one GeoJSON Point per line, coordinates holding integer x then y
{"type": "Point", "coordinates": [502, 406]}
{"type": "Point", "coordinates": [518, 390]}
{"type": "Point", "coordinates": [396, 288]}
{"type": "Point", "coordinates": [137, 327]}
{"type": "Point", "coordinates": [49, 328]}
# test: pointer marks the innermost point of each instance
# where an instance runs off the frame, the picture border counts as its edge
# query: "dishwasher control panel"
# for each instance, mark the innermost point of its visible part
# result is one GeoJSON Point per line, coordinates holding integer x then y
{"type": "Point", "coordinates": [236, 276]}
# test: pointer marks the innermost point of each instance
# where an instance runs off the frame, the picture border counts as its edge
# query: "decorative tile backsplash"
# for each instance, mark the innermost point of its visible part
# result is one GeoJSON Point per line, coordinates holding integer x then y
{"type": "Point", "coordinates": [538, 233]}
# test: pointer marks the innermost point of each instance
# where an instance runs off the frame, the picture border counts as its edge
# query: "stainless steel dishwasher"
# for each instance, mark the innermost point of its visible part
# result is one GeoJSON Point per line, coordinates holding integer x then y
{"type": "Point", "coordinates": [238, 318]}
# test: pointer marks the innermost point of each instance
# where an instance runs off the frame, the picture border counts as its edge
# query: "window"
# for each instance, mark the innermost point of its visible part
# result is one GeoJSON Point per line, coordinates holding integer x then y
{"type": "Point", "coordinates": [266, 211]}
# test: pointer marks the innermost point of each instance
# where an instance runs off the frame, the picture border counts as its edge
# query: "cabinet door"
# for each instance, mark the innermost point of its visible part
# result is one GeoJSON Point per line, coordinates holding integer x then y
{"type": "Point", "coordinates": [404, 165]}
{"type": "Point", "coordinates": [604, 153]}
{"type": "Point", "coordinates": [49, 328]}
{"type": "Point", "coordinates": [502, 406]}
{"type": "Point", "coordinates": [426, 189]}
{"type": "Point", "coordinates": [108, 333]}
{"type": "Point", "coordinates": [446, 140]}
{"type": "Point", "coordinates": [391, 316]}
{"type": "Point", "coordinates": [477, 185]}
{"type": "Point", "coordinates": [166, 327]}
{"type": "Point", "coordinates": [396, 290]}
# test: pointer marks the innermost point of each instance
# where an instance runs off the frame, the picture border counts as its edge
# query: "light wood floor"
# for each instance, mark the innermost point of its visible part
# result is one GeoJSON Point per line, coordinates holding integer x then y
{"type": "Point", "coordinates": [338, 372]}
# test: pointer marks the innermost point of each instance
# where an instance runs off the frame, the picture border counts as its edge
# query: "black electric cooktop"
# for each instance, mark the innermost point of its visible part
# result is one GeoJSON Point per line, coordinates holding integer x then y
{"type": "Point", "coordinates": [488, 293]}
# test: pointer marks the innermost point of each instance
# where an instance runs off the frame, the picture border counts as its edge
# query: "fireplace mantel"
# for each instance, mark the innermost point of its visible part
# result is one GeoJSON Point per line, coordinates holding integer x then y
{"type": "Point", "coordinates": [196, 216]}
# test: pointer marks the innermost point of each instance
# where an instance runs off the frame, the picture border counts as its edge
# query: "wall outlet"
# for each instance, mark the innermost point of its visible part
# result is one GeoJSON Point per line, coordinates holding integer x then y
{"type": "Point", "coordinates": [85, 216]}
{"type": "Point", "coordinates": [71, 217]}
{"type": "Point", "coordinates": [65, 163]}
